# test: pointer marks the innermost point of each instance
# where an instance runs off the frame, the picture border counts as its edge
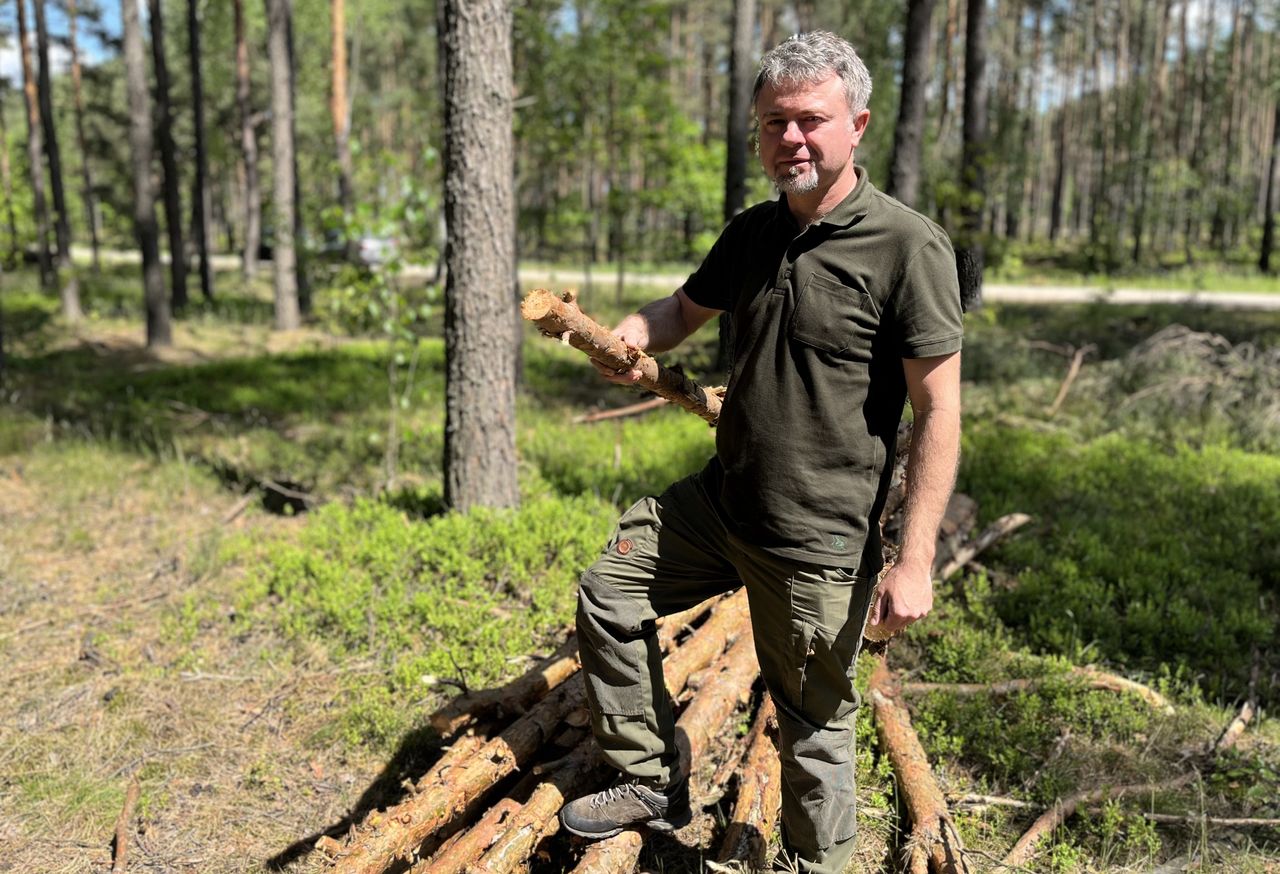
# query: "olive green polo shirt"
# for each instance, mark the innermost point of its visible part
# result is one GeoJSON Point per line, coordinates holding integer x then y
{"type": "Point", "coordinates": [823, 317]}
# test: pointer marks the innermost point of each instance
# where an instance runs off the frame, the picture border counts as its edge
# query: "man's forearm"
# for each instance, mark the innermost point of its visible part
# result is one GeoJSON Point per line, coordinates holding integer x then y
{"type": "Point", "coordinates": [931, 475]}
{"type": "Point", "coordinates": [660, 325]}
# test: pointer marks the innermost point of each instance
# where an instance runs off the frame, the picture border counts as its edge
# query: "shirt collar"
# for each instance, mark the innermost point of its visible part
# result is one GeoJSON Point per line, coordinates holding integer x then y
{"type": "Point", "coordinates": [851, 209]}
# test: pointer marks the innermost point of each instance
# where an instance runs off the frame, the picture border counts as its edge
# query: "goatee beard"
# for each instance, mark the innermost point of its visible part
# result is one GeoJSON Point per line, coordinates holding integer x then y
{"type": "Point", "coordinates": [796, 183]}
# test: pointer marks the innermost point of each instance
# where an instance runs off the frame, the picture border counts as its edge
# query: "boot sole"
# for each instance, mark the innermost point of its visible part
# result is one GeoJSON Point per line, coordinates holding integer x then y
{"type": "Point", "coordinates": [660, 824]}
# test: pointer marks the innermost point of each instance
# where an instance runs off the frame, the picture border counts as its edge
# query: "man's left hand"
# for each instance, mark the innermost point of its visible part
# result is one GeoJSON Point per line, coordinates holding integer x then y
{"type": "Point", "coordinates": [905, 595]}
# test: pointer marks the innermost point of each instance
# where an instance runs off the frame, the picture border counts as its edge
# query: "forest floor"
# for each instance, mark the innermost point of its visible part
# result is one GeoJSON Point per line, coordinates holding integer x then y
{"type": "Point", "coordinates": [263, 667]}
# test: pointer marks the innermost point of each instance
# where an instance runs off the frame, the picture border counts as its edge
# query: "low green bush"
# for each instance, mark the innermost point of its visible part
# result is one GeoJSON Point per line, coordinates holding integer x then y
{"type": "Point", "coordinates": [1159, 560]}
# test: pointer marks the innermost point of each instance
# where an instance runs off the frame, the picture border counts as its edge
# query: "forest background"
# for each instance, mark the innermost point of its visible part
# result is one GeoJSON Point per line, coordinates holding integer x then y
{"type": "Point", "coordinates": [228, 562]}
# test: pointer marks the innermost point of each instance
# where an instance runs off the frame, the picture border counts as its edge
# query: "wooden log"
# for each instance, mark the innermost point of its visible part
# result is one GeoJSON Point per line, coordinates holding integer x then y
{"type": "Point", "coordinates": [463, 747]}
{"type": "Point", "coordinates": [512, 848]}
{"type": "Point", "coordinates": [399, 832]}
{"type": "Point", "coordinates": [1235, 728]}
{"type": "Point", "coordinates": [456, 853]}
{"type": "Point", "coordinates": [715, 701]}
{"type": "Point", "coordinates": [120, 853]}
{"type": "Point", "coordinates": [1063, 809]}
{"type": "Point", "coordinates": [513, 698]}
{"type": "Point", "coordinates": [563, 319]}
{"type": "Point", "coordinates": [998, 530]}
{"type": "Point", "coordinates": [932, 829]}
{"type": "Point", "coordinates": [1093, 678]}
{"type": "Point", "coordinates": [728, 621]}
{"type": "Point", "coordinates": [670, 627]}
{"type": "Point", "coordinates": [615, 855]}
{"type": "Point", "coordinates": [755, 813]}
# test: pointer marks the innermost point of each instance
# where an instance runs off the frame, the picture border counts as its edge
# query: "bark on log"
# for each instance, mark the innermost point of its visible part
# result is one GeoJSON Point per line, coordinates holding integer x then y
{"type": "Point", "coordinates": [538, 816]}
{"type": "Point", "coordinates": [399, 832]}
{"type": "Point", "coordinates": [455, 854]}
{"type": "Point", "coordinates": [513, 698]}
{"type": "Point", "coordinates": [462, 748]}
{"type": "Point", "coordinates": [728, 621]}
{"type": "Point", "coordinates": [1235, 728]}
{"type": "Point", "coordinates": [563, 319]}
{"type": "Point", "coordinates": [931, 827]}
{"type": "Point", "coordinates": [1061, 811]}
{"type": "Point", "coordinates": [121, 852]}
{"type": "Point", "coordinates": [670, 627]}
{"type": "Point", "coordinates": [615, 855]}
{"type": "Point", "coordinates": [1091, 677]}
{"type": "Point", "coordinates": [715, 701]}
{"type": "Point", "coordinates": [755, 813]}
{"type": "Point", "coordinates": [998, 530]}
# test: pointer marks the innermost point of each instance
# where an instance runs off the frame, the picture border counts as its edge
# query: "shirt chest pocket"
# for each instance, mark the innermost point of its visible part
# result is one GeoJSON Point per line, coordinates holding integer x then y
{"type": "Point", "coordinates": [834, 318]}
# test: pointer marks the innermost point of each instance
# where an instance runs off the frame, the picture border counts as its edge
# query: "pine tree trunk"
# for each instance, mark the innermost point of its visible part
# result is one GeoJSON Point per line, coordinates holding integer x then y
{"type": "Point", "coordinates": [738, 126]}
{"type": "Point", "coordinates": [202, 209]}
{"type": "Point", "coordinates": [908, 136]}
{"type": "Point", "coordinates": [144, 197]}
{"type": "Point", "coordinates": [480, 336]}
{"type": "Point", "coordinates": [284, 255]}
{"type": "Point", "coordinates": [340, 108]}
{"type": "Point", "coordinates": [252, 196]}
{"type": "Point", "coordinates": [86, 171]}
{"type": "Point", "coordinates": [168, 160]}
{"type": "Point", "coordinates": [974, 155]}
{"type": "Point", "coordinates": [1269, 217]}
{"type": "Point", "coordinates": [70, 286]}
{"type": "Point", "coordinates": [6, 176]}
{"type": "Point", "coordinates": [35, 153]}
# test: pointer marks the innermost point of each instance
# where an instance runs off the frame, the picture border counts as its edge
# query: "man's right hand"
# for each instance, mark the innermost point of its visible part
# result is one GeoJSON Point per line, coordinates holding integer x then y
{"type": "Point", "coordinates": [634, 332]}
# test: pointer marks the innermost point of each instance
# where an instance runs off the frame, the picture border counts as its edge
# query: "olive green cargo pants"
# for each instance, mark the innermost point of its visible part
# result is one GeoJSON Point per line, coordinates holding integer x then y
{"type": "Point", "coordinates": [672, 552]}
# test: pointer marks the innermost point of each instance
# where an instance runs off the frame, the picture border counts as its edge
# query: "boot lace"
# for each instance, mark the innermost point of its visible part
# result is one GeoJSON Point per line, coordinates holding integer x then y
{"type": "Point", "coordinates": [616, 793]}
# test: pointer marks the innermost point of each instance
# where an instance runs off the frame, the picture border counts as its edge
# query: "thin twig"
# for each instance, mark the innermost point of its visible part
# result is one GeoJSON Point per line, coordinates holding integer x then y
{"type": "Point", "coordinates": [120, 855]}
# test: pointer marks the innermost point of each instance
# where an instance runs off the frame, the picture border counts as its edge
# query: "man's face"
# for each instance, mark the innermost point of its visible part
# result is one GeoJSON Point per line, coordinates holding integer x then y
{"type": "Point", "coordinates": [807, 134]}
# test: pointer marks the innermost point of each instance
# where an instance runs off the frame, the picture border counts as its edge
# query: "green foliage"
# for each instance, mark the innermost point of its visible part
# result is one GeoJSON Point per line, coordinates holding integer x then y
{"type": "Point", "coordinates": [1147, 558]}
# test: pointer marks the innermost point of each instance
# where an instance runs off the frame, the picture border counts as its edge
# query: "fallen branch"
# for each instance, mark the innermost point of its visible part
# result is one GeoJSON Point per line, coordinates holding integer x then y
{"type": "Point", "coordinates": [1235, 728]}
{"type": "Point", "coordinates": [1077, 361]}
{"type": "Point", "coordinates": [1062, 810]}
{"type": "Point", "coordinates": [621, 412]}
{"type": "Point", "coordinates": [932, 830]}
{"type": "Point", "coordinates": [996, 531]}
{"type": "Point", "coordinates": [1093, 678]}
{"type": "Point", "coordinates": [563, 319]}
{"type": "Point", "coordinates": [755, 813]}
{"type": "Point", "coordinates": [120, 854]}
{"type": "Point", "coordinates": [513, 698]}
{"type": "Point", "coordinates": [1198, 819]}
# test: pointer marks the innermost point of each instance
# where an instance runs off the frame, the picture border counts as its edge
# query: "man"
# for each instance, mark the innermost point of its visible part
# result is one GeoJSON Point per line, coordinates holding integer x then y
{"type": "Point", "coordinates": [844, 302]}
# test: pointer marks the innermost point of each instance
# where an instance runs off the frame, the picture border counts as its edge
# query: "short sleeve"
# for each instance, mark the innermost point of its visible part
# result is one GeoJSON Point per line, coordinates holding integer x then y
{"type": "Point", "coordinates": [712, 285]}
{"type": "Point", "coordinates": [926, 303]}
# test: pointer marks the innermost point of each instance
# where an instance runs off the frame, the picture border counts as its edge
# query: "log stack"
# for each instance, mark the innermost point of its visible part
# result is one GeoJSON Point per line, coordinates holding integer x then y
{"type": "Point", "coordinates": [519, 752]}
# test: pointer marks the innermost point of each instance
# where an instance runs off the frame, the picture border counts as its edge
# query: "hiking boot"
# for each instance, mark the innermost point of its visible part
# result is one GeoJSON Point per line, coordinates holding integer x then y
{"type": "Point", "coordinates": [627, 805]}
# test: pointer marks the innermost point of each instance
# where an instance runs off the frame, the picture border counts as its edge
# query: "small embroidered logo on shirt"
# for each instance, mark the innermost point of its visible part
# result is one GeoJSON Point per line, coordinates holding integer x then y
{"type": "Point", "coordinates": [837, 543]}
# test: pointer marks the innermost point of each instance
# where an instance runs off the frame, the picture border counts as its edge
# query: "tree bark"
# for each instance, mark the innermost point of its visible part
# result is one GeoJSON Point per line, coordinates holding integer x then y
{"type": "Point", "coordinates": [908, 135]}
{"type": "Point", "coordinates": [35, 153]}
{"type": "Point", "coordinates": [974, 153]}
{"type": "Point", "coordinates": [70, 286]}
{"type": "Point", "coordinates": [1269, 215]}
{"type": "Point", "coordinates": [932, 830]}
{"type": "Point", "coordinates": [252, 197]}
{"type": "Point", "coordinates": [615, 855]}
{"type": "Point", "coordinates": [755, 813]}
{"type": "Point", "coordinates": [89, 196]}
{"type": "Point", "coordinates": [284, 257]}
{"type": "Point", "coordinates": [6, 177]}
{"type": "Point", "coordinates": [563, 319]}
{"type": "Point", "coordinates": [159, 332]}
{"type": "Point", "coordinates": [340, 108]}
{"type": "Point", "coordinates": [480, 331]}
{"type": "Point", "coordinates": [202, 209]}
{"type": "Point", "coordinates": [458, 852]}
{"type": "Point", "coordinates": [168, 160]}
{"type": "Point", "coordinates": [739, 121]}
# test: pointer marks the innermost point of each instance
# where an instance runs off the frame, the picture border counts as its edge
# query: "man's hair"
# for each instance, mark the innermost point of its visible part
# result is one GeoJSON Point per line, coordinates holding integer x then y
{"type": "Point", "coordinates": [812, 57]}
